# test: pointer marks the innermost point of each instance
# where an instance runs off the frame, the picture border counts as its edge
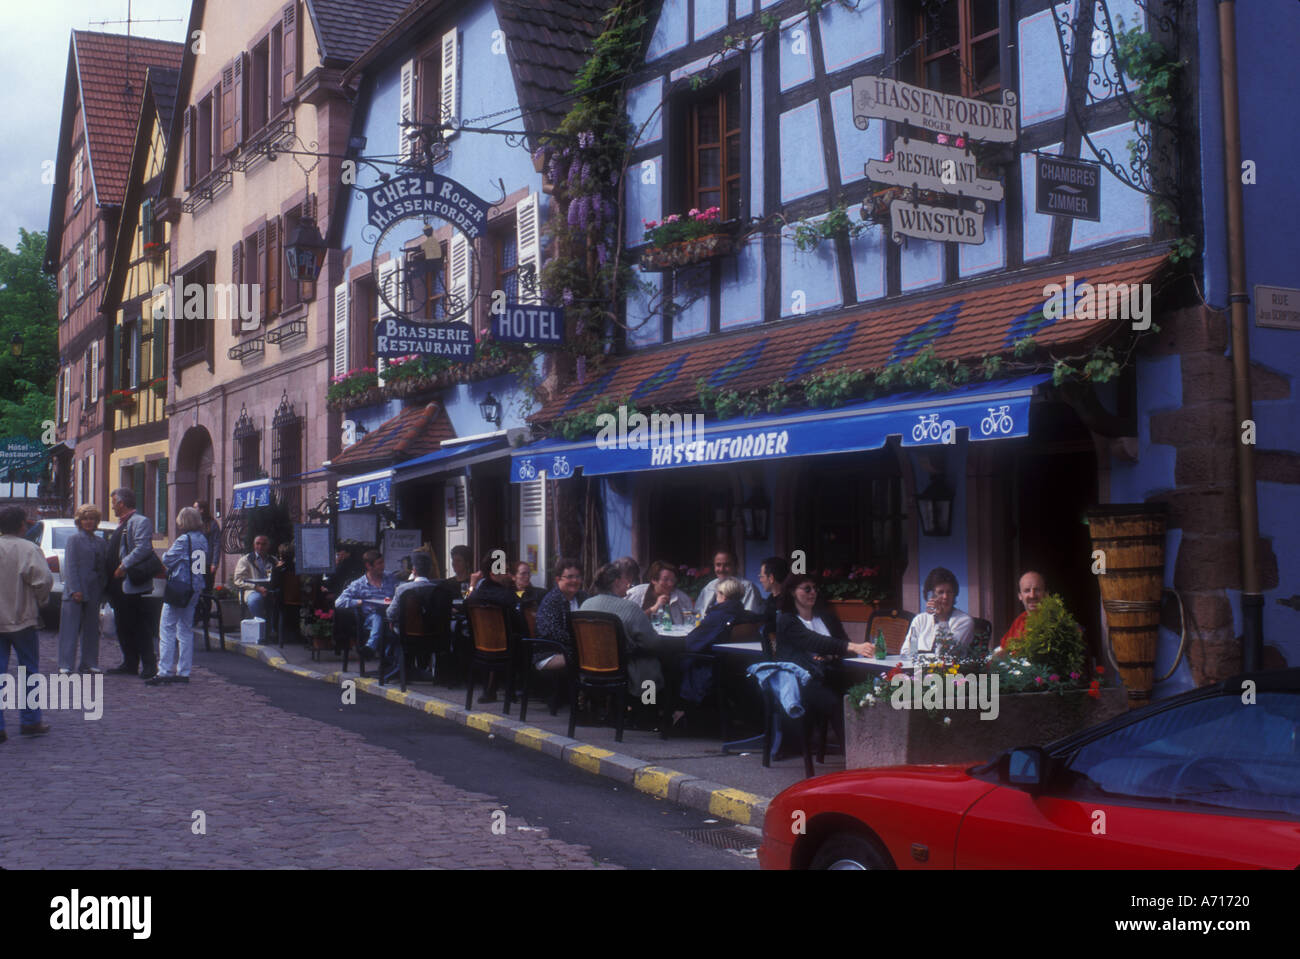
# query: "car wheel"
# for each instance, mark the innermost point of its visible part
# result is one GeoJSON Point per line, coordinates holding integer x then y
{"type": "Point", "coordinates": [850, 851]}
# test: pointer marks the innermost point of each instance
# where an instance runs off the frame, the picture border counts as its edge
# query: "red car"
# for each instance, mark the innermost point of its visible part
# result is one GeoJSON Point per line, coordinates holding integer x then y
{"type": "Point", "coordinates": [1207, 779]}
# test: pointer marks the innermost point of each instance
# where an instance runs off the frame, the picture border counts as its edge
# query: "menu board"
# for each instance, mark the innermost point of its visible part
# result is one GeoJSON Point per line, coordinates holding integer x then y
{"type": "Point", "coordinates": [313, 549]}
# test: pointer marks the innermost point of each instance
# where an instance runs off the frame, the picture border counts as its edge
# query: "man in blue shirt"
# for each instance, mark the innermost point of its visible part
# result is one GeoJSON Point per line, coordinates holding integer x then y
{"type": "Point", "coordinates": [373, 592]}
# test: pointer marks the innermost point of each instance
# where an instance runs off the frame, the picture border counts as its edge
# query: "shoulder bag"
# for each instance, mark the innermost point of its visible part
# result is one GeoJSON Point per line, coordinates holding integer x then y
{"type": "Point", "coordinates": [175, 594]}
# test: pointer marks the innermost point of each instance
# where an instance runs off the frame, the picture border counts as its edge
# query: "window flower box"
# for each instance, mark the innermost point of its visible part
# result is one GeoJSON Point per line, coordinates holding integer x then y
{"type": "Point", "coordinates": [687, 252]}
{"type": "Point", "coordinates": [124, 400]}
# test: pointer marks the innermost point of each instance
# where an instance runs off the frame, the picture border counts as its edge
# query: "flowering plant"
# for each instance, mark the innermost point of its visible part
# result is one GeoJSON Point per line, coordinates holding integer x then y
{"type": "Point", "coordinates": [353, 383]}
{"type": "Point", "coordinates": [676, 228]}
{"type": "Point", "coordinates": [853, 582]}
{"type": "Point", "coordinates": [691, 580]}
{"type": "Point", "coordinates": [121, 398]}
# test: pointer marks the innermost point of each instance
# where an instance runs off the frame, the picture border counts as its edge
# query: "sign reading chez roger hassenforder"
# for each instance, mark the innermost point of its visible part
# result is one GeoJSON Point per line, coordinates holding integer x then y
{"type": "Point", "coordinates": [1068, 187]}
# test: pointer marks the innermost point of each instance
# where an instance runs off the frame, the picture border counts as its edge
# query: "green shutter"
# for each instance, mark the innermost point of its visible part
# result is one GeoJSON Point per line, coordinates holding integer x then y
{"type": "Point", "coordinates": [137, 484]}
{"type": "Point", "coordinates": [159, 344]}
{"type": "Point", "coordinates": [163, 520]}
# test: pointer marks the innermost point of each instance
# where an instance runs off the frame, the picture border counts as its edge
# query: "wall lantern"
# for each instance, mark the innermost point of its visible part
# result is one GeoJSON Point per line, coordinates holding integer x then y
{"type": "Point", "coordinates": [754, 513]}
{"type": "Point", "coordinates": [306, 253]}
{"type": "Point", "coordinates": [935, 507]}
{"type": "Point", "coordinates": [491, 410]}
{"type": "Point", "coordinates": [16, 344]}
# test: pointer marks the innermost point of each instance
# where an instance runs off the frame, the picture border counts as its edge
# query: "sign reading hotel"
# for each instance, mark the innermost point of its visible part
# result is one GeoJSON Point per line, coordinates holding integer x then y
{"type": "Point", "coordinates": [527, 323]}
{"type": "Point", "coordinates": [448, 341]}
{"type": "Point", "coordinates": [1068, 187]}
{"type": "Point", "coordinates": [933, 166]}
{"type": "Point", "coordinates": [941, 223]}
{"type": "Point", "coordinates": [890, 99]}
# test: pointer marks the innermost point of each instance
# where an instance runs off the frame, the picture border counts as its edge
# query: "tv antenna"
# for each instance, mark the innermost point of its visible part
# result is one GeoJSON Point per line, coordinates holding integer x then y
{"type": "Point", "coordinates": [128, 21]}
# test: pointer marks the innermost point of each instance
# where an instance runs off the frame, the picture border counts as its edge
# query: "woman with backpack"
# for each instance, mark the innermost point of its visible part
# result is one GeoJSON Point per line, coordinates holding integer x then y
{"type": "Point", "coordinates": [176, 627]}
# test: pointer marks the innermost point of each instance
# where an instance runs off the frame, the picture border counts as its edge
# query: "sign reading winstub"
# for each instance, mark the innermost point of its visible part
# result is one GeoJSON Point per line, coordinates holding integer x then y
{"type": "Point", "coordinates": [933, 166]}
{"type": "Point", "coordinates": [890, 99]}
{"type": "Point", "coordinates": [936, 222]}
{"type": "Point", "coordinates": [1068, 187]}
{"type": "Point", "coordinates": [1278, 307]}
{"type": "Point", "coordinates": [449, 341]}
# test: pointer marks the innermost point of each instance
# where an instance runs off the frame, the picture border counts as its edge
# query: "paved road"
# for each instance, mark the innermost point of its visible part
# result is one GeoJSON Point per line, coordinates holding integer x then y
{"type": "Point", "coordinates": [285, 775]}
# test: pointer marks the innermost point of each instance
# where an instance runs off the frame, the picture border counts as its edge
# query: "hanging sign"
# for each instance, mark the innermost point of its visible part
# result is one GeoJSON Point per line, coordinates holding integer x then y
{"type": "Point", "coordinates": [890, 99]}
{"type": "Point", "coordinates": [529, 323]}
{"type": "Point", "coordinates": [935, 222]}
{"type": "Point", "coordinates": [1068, 187]}
{"type": "Point", "coordinates": [933, 166]}
{"type": "Point", "coordinates": [448, 341]}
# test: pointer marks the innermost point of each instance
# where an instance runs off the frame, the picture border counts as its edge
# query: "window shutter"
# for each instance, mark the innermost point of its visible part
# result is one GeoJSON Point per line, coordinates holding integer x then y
{"type": "Point", "coordinates": [94, 371]}
{"type": "Point", "coordinates": [341, 329]}
{"type": "Point", "coordinates": [159, 343]}
{"type": "Point", "coordinates": [450, 88]}
{"type": "Point", "coordinates": [187, 148]}
{"type": "Point", "coordinates": [137, 484]}
{"type": "Point", "coordinates": [81, 270]}
{"type": "Point", "coordinates": [261, 269]}
{"type": "Point", "coordinates": [115, 349]}
{"type": "Point", "coordinates": [532, 522]}
{"type": "Point", "coordinates": [292, 287]}
{"type": "Point", "coordinates": [271, 275]}
{"type": "Point", "coordinates": [237, 278]}
{"type": "Point", "coordinates": [92, 259]}
{"type": "Point", "coordinates": [407, 139]}
{"type": "Point", "coordinates": [458, 285]}
{"type": "Point", "coordinates": [228, 110]}
{"type": "Point", "coordinates": [290, 60]}
{"type": "Point", "coordinates": [160, 497]}
{"type": "Point", "coordinates": [91, 495]}
{"type": "Point", "coordinates": [390, 287]}
{"type": "Point", "coordinates": [76, 179]}
{"type": "Point", "coordinates": [528, 246]}
{"type": "Point", "coordinates": [239, 101]}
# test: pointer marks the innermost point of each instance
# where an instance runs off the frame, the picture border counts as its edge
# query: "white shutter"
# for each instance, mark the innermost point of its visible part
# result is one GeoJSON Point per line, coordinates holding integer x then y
{"type": "Point", "coordinates": [90, 478]}
{"type": "Point", "coordinates": [81, 270]}
{"type": "Point", "coordinates": [76, 179]}
{"type": "Point", "coordinates": [528, 244]}
{"type": "Point", "coordinates": [65, 299]}
{"type": "Point", "coordinates": [406, 142]}
{"type": "Point", "coordinates": [92, 259]}
{"type": "Point", "coordinates": [449, 89]}
{"type": "Point", "coordinates": [94, 370]}
{"type": "Point", "coordinates": [67, 393]}
{"type": "Point", "coordinates": [532, 522]}
{"type": "Point", "coordinates": [458, 284]}
{"type": "Point", "coordinates": [457, 533]}
{"type": "Point", "coordinates": [392, 289]}
{"type": "Point", "coordinates": [80, 494]}
{"type": "Point", "coordinates": [341, 344]}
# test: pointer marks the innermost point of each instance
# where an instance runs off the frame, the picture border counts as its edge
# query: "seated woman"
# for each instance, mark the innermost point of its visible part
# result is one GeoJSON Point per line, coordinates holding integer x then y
{"type": "Point", "coordinates": [527, 593]}
{"type": "Point", "coordinates": [942, 626]}
{"type": "Point", "coordinates": [808, 633]}
{"type": "Point", "coordinates": [697, 676]}
{"type": "Point", "coordinates": [553, 614]}
{"type": "Point", "coordinates": [661, 593]}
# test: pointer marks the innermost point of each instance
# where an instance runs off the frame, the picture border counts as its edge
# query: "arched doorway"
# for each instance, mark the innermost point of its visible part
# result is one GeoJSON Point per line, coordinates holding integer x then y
{"type": "Point", "coordinates": [195, 475]}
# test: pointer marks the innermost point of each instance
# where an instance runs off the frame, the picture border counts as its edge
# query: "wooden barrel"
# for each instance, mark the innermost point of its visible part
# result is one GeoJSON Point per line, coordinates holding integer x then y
{"type": "Point", "coordinates": [1132, 539]}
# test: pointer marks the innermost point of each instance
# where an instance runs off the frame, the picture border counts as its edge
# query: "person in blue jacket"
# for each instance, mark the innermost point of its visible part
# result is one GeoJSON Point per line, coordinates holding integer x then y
{"type": "Point", "coordinates": [715, 627]}
{"type": "Point", "coordinates": [176, 625]}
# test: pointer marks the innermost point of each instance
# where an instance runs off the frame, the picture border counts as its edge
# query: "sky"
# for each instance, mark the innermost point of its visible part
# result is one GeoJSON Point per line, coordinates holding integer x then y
{"type": "Point", "coordinates": [34, 37]}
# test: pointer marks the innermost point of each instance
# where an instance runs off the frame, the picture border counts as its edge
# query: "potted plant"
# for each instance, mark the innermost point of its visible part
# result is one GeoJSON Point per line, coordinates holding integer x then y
{"type": "Point", "coordinates": [318, 628]}
{"type": "Point", "coordinates": [684, 241]}
{"type": "Point", "coordinates": [228, 601]}
{"type": "Point", "coordinates": [159, 387]}
{"type": "Point", "coordinates": [121, 399]}
{"type": "Point", "coordinates": [854, 592]}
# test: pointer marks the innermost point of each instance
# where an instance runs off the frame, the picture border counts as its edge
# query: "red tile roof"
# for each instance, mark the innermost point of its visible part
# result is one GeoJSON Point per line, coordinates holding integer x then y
{"type": "Point", "coordinates": [111, 71]}
{"type": "Point", "coordinates": [987, 319]}
{"type": "Point", "coordinates": [415, 431]}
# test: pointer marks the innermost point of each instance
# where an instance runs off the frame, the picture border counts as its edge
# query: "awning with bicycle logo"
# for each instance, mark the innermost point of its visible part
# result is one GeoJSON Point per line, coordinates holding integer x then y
{"type": "Point", "coordinates": [992, 410]}
{"type": "Point", "coordinates": [372, 489]}
{"type": "Point", "coordinates": [250, 495]}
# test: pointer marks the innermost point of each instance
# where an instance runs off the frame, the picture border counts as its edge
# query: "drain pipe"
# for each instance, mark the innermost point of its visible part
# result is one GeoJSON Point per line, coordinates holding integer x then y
{"type": "Point", "coordinates": [1252, 600]}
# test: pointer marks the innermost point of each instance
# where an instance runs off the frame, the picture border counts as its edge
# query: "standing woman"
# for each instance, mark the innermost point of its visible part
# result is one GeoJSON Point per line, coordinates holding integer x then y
{"type": "Point", "coordinates": [176, 628]}
{"type": "Point", "coordinates": [85, 571]}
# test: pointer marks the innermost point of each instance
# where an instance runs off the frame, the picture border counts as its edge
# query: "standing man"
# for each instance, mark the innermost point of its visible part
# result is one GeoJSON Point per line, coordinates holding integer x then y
{"type": "Point", "coordinates": [132, 542]}
{"type": "Point", "coordinates": [25, 583]}
{"type": "Point", "coordinates": [724, 567]}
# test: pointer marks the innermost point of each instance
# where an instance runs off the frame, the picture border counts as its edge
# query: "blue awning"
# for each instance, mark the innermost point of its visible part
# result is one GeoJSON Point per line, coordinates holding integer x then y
{"type": "Point", "coordinates": [372, 489]}
{"type": "Point", "coordinates": [997, 409]}
{"type": "Point", "coordinates": [251, 494]}
{"type": "Point", "coordinates": [449, 458]}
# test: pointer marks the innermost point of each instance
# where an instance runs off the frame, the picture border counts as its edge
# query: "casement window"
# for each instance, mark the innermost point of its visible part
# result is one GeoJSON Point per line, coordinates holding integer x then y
{"type": "Point", "coordinates": [260, 86]}
{"type": "Point", "coordinates": [202, 135]}
{"type": "Point", "coordinates": [81, 271]}
{"type": "Point", "coordinates": [342, 348]}
{"type": "Point", "coordinates": [430, 93]}
{"type": "Point", "coordinates": [77, 177]}
{"type": "Point", "coordinates": [90, 377]}
{"type": "Point", "coordinates": [92, 259]}
{"type": "Point", "coordinates": [191, 334]}
{"type": "Point", "coordinates": [248, 450]}
{"type": "Point", "coordinates": [960, 47]}
{"type": "Point", "coordinates": [427, 281]}
{"type": "Point", "coordinates": [713, 148]}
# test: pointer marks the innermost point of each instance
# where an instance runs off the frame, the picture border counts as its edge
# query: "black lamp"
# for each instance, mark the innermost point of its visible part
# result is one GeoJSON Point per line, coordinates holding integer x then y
{"type": "Point", "coordinates": [306, 252]}
{"type": "Point", "coordinates": [754, 513]}
{"type": "Point", "coordinates": [491, 410]}
{"type": "Point", "coordinates": [935, 507]}
{"type": "Point", "coordinates": [16, 344]}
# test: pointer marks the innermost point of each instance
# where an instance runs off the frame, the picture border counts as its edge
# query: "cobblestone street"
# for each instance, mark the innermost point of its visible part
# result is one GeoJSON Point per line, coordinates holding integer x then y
{"type": "Point", "coordinates": [276, 790]}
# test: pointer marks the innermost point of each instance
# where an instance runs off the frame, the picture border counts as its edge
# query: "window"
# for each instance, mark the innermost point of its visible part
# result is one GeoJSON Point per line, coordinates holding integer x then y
{"type": "Point", "coordinates": [248, 449]}
{"type": "Point", "coordinates": [65, 291]}
{"type": "Point", "coordinates": [203, 138]}
{"type": "Point", "coordinates": [132, 354]}
{"type": "Point", "coordinates": [286, 453]}
{"type": "Point", "coordinates": [430, 92]}
{"type": "Point", "coordinates": [92, 259]}
{"type": "Point", "coordinates": [159, 470]}
{"type": "Point", "coordinates": [81, 271]}
{"type": "Point", "coordinates": [191, 333]}
{"type": "Point", "coordinates": [77, 178]}
{"type": "Point", "coordinates": [90, 379]}
{"type": "Point", "coordinates": [260, 86]}
{"type": "Point", "coordinates": [713, 162]}
{"type": "Point", "coordinates": [79, 483]}
{"type": "Point", "coordinates": [427, 278]}
{"type": "Point", "coordinates": [960, 50]}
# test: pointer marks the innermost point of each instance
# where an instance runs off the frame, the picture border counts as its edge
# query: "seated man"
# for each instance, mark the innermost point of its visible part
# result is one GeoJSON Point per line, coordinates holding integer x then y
{"type": "Point", "coordinates": [373, 592]}
{"type": "Point", "coordinates": [421, 575]}
{"type": "Point", "coordinates": [715, 627]}
{"type": "Point", "coordinates": [1033, 588]}
{"type": "Point", "coordinates": [724, 567]}
{"type": "Point", "coordinates": [252, 567]}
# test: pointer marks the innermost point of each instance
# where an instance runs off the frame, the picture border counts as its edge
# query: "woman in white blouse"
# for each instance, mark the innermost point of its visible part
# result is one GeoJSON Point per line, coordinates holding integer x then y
{"type": "Point", "coordinates": [942, 620]}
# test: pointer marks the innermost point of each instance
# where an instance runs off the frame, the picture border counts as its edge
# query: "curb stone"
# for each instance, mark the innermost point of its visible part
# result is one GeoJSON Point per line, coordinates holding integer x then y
{"type": "Point", "coordinates": [724, 802]}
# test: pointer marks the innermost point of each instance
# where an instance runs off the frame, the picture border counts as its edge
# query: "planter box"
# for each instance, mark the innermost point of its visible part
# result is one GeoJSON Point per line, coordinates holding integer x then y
{"type": "Point", "coordinates": [883, 736]}
{"type": "Point", "coordinates": [687, 252]}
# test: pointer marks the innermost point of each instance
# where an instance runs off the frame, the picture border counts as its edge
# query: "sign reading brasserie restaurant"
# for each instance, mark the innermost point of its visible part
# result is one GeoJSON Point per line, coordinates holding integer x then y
{"type": "Point", "coordinates": [941, 112]}
{"type": "Point", "coordinates": [398, 337]}
{"type": "Point", "coordinates": [1068, 187]}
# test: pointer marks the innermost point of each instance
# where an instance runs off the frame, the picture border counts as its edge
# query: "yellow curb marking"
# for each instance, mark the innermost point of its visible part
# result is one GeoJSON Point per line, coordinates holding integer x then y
{"type": "Point", "coordinates": [587, 757]}
{"type": "Point", "coordinates": [481, 721]}
{"type": "Point", "coordinates": [655, 780]}
{"type": "Point", "coordinates": [533, 737]}
{"type": "Point", "coordinates": [436, 707]}
{"type": "Point", "coordinates": [734, 804]}
{"type": "Point", "coordinates": [396, 696]}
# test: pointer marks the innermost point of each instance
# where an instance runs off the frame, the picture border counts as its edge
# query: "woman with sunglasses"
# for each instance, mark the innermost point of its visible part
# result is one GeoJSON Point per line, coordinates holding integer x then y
{"type": "Point", "coordinates": [807, 634]}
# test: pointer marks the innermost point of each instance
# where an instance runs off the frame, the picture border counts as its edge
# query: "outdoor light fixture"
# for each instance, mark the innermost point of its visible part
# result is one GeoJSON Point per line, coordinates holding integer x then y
{"type": "Point", "coordinates": [16, 344]}
{"type": "Point", "coordinates": [491, 410]}
{"type": "Point", "coordinates": [306, 253]}
{"type": "Point", "coordinates": [754, 513]}
{"type": "Point", "coordinates": [935, 507]}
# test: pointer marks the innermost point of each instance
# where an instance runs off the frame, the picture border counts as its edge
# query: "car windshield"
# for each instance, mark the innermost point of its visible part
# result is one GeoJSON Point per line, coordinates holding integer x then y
{"type": "Point", "coordinates": [1216, 751]}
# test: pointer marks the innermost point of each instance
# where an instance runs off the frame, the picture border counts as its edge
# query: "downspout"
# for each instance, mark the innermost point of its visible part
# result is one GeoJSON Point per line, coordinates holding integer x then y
{"type": "Point", "coordinates": [1252, 601]}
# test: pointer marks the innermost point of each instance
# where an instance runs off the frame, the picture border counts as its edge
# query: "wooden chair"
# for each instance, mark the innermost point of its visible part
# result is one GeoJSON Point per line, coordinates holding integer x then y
{"type": "Point", "coordinates": [289, 604]}
{"type": "Point", "coordinates": [350, 633]}
{"type": "Point", "coordinates": [981, 638]}
{"type": "Point", "coordinates": [531, 645]}
{"type": "Point", "coordinates": [600, 647]}
{"type": "Point", "coordinates": [893, 624]}
{"type": "Point", "coordinates": [494, 648]}
{"type": "Point", "coordinates": [423, 624]}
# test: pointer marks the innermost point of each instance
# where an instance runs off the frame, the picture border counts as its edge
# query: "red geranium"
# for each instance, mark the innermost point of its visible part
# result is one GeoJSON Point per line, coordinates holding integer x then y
{"type": "Point", "coordinates": [1094, 690]}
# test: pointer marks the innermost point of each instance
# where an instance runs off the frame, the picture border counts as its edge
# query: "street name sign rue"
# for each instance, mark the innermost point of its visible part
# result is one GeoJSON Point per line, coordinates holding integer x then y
{"type": "Point", "coordinates": [933, 166]}
{"type": "Point", "coordinates": [935, 223]}
{"type": "Point", "coordinates": [889, 99]}
{"type": "Point", "coordinates": [529, 323]}
{"type": "Point", "coordinates": [396, 337]}
{"type": "Point", "coordinates": [1068, 187]}
{"type": "Point", "coordinates": [1278, 307]}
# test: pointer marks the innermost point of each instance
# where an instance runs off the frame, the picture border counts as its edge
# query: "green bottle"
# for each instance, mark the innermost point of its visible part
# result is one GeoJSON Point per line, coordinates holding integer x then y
{"type": "Point", "coordinates": [881, 652]}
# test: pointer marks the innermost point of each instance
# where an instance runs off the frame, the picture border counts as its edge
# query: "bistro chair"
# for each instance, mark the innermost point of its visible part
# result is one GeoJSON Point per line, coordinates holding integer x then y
{"type": "Point", "coordinates": [981, 639]}
{"type": "Point", "coordinates": [493, 650]}
{"type": "Point", "coordinates": [531, 645]}
{"type": "Point", "coordinates": [423, 623]}
{"type": "Point", "coordinates": [893, 624]}
{"type": "Point", "coordinates": [737, 633]}
{"type": "Point", "coordinates": [289, 604]}
{"type": "Point", "coordinates": [208, 603]}
{"type": "Point", "coordinates": [349, 633]}
{"type": "Point", "coordinates": [600, 649]}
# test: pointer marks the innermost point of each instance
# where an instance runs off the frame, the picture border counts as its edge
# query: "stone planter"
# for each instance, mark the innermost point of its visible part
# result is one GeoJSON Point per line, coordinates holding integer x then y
{"type": "Point", "coordinates": [853, 610]}
{"type": "Point", "coordinates": [883, 736]}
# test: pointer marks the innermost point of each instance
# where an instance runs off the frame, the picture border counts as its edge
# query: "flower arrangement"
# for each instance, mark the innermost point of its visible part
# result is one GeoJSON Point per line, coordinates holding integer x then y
{"type": "Point", "coordinates": [675, 228]}
{"type": "Point", "coordinates": [691, 580]}
{"type": "Point", "coordinates": [158, 386]}
{"type": "Point", "coordinates": [1052, 639]}
{"type": "Point", "coordinates": [121, 399]}
{"type": "Point", "coordinates": [855, 582]}
{"type": "Point", "coordinates": [353, 383]}
{"type": "Point", "coordinates": [683, 241]}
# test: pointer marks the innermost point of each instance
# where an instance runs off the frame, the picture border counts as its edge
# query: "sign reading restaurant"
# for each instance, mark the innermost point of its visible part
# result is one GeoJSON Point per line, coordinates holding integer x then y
{"type": "Point", "coordinates": [941, 112]}
{"type": "Point", "coordinates": [933, 166]}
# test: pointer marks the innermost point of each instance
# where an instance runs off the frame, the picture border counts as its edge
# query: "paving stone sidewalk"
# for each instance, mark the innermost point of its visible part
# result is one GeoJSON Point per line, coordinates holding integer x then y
{"type": "Point", "coordinates": [122, 792]}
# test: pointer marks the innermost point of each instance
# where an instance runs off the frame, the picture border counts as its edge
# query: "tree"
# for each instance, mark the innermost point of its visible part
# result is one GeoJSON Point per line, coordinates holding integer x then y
{"type": "Point", "coordinates": [28, 305]}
